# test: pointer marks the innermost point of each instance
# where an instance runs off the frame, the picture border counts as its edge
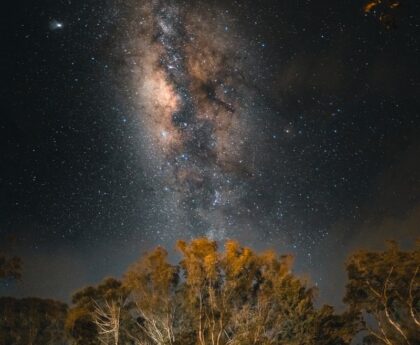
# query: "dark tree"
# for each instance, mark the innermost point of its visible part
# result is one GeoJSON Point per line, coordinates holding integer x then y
{"type": "Point", "coordinates": [32, 321]}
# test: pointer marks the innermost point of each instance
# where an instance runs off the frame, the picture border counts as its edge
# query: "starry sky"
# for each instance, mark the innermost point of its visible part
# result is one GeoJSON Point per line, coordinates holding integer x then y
{"type": "Point", "coordinates": [291, 125]}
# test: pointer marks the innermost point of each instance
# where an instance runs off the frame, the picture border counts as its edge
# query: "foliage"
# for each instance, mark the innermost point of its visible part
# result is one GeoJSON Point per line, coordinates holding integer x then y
{"type": "Point", "coordinates": [233, 296]}
{"type": "Point", "coordinates": [385, 288]}
{"type": "Point", "coordinates": [32, 321]}
{"type": "Point", "coordinates": [83, 319]}
{"type": "Point", "coordinates": [10, 266]}
{"type": "Point", "coordinates": [225, 298]}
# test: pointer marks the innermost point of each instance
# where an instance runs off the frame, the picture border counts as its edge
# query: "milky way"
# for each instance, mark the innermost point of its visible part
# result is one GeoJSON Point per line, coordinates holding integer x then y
{"type": "Point", "coordinates": [196, 114]}
{"type": "Point", "coordinates": [128, 124]}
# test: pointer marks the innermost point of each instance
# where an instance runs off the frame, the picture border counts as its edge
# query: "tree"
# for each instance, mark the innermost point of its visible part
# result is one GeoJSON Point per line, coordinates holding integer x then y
{"type": "Point", "coordinates": [107, 318]}
{"type": "Point", "coordinates": [153, 283]}
{"type": "Point", "coordinates": [97, 314]}
{"type": "Point", "coordinates": [10, 266]}
{"type": "Point", "coordinates": [210, 297]}
{"type": "Point", "coordinates": [384, 287]}
{"type": "Point", "coordinates": [32, 321]}
{"type": "Point", "coordinates": [228, 298]}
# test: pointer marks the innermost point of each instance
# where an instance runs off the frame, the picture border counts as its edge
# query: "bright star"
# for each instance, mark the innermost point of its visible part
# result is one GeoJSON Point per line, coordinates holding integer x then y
{"type": "Point", "coordinates": [56, 25]}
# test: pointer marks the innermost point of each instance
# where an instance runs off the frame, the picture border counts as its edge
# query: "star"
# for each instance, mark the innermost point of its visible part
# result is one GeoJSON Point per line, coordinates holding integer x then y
{"type": "Point", "coordinates": [55, 25]}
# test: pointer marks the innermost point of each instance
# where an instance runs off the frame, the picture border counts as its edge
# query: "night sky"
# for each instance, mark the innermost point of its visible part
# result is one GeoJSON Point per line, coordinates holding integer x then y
{"type": "Point", "coordinates": [126, 124]}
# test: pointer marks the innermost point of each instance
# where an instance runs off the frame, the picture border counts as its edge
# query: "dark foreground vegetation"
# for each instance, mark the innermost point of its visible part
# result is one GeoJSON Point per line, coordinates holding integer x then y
{"type": "Point", "coordinates": [230, 297]}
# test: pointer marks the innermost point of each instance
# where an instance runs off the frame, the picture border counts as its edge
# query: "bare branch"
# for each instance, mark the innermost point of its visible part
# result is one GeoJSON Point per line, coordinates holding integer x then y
{"type": "Point", "coordinates": [394, 323]}
{"type": "Point", "coordinates": [107, 319]}
{"type": "Point", "coordinates": [411, 298]}
{"type": "Point", "coordinates": [159, 328]}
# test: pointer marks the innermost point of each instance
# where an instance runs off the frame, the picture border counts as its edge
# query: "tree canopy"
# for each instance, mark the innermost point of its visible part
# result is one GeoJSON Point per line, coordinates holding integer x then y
{"type": "Point", "coordinates": [210, 297]}
{"type": "Point", "coordinates": [226, 296]}
{"type": "Point", "coordinates": [10, 266]}
{"type": "Point", "coordinates": [32, 321]}
{"type": "Point", "coordinates": [385, 288]}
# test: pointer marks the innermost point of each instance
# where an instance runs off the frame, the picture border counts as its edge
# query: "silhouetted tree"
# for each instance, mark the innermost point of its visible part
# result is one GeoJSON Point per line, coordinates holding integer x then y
{"type": "Point", "coordinates": [10, 266]}
{"type": "Point", "coordinates": [32, 321]}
